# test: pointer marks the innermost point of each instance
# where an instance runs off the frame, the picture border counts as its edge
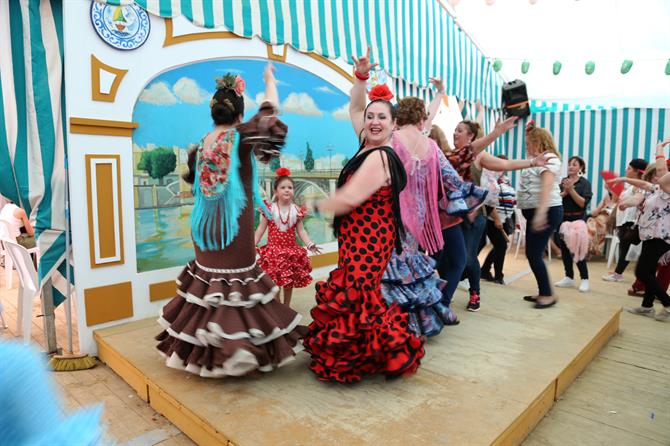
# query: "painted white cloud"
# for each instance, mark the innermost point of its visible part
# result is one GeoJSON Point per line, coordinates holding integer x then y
{"type": "Point", "coordinates": [325, 89]}
{"type": "Point", "coordinates": [260, 97]}
{"type": "Point", "coordinates": [301, 104]}
{"type": "Point", "coordinates": [281, 82]}
{"type": "Point", "coordinates": [341, 113]}
{"type": "Point", "coordinates": [249, 102]}
{"type": "Point", "coordinates": [190, 92]}
{"type": "Point", "coordinates": [158, 94]}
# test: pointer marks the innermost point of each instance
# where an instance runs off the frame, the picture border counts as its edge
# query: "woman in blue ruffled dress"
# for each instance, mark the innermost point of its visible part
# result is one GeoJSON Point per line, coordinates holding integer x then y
{"type": "Point", "coordinates": [410, 278]}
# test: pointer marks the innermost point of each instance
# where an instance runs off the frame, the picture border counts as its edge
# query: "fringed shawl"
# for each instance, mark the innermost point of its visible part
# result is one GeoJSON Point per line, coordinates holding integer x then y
{"type": "Point", "coordinates": [219, 193]}
{"type": "Point", "coordinates": [419, 199]}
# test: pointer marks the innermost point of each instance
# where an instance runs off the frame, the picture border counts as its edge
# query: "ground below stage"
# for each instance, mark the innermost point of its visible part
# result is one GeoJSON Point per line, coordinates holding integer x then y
{"type": "Point", "coordinates": [488, 380]}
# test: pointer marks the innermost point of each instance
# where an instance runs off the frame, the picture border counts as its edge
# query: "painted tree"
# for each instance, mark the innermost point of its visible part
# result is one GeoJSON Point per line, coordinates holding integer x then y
{"type": "Point", "coordinates": [309, 159]}
{"type": "Point", "coordinates": [345, 161]}
{"type": "Point", "coordinates": [158, 163]}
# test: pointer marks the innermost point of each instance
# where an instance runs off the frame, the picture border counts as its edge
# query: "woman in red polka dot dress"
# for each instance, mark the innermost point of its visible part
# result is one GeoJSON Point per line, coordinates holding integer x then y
{"type": "Point", "coordinates": [354, 331]}
{"type": "Point", "coordinates": [282, 258]}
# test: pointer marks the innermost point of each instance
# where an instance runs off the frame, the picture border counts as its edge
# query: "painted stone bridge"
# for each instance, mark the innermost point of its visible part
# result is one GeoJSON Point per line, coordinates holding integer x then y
{"type": "Point", "coordinates": [323, 181]}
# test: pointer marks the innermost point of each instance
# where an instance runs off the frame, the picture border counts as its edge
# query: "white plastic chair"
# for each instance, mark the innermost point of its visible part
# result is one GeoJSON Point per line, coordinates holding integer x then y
{"type": "Point", "coordinates": [9, 267]}
{"type": "Point", "coordinates": [28, 286]}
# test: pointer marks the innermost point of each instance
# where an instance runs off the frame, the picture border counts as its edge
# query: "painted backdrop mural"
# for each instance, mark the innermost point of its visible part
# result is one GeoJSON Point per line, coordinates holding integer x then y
{"type": "Point", "coordinates": [173, 113]}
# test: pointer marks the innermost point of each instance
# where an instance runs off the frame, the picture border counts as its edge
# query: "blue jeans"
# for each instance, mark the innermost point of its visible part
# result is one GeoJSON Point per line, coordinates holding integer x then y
{"type": "Point", "coordinates": [473, 233]}
{"type": "Point", "coordinates": [451, 261]}
{"type": "Point", "coordinates": [536, 243]}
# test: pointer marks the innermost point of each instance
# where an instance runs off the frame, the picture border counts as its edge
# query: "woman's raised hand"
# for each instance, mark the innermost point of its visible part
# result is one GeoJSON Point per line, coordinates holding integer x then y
{"type": "Point", "coordinates": [269, 73]}
{"type": "Point", "coordinates": [506, 125]}
{"type": "Point", "coordinates": [362, 64]}
{"type": "Point", "coordinates": [438, 84]}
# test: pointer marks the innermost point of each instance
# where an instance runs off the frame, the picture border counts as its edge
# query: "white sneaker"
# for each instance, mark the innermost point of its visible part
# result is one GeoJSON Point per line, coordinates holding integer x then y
{"type": "Point", "coordinates": [584, 286]}
{"type": "Point", "coordinates": [642, 311]}
{"type": "Point", "coordinates": [612, 277]}
{"type": "Point", "coordinates": [464, 284]}
{"type": "Point", "coordinates": [565, 282]}
{"type": "Point", "coordinates": [663, 315]}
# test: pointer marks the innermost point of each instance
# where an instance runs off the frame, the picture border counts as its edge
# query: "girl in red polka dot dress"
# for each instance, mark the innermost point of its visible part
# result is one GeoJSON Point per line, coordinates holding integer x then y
{"type": "Point", "coordinates": [282, 258]}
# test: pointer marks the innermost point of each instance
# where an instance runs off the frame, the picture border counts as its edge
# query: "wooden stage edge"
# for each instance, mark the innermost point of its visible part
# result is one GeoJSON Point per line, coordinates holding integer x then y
{"type": "Point", "coordinates": [201, 432]}
{"type": "Point", "coordinates": [529, 418]}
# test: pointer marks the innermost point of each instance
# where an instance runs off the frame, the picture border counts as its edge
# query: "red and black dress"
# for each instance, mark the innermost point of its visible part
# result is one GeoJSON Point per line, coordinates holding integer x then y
{"type": "Point", "coordinates": [354, 331]}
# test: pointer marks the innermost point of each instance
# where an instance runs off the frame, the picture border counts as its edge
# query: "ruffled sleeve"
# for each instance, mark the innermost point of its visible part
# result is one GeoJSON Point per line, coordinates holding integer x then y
{"type": "Point", "coordinates": [265, 134]}
{"type": "Point", "coordinates": [268, 206]}
{"type": "Point", "coordinates": [461, 197]}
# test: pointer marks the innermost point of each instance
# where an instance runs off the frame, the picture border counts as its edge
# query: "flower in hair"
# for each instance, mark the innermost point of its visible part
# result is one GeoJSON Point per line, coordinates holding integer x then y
{"type": "Point", "coordinates": [530, 125]}
{"type": "Point", "coordinates": [230, 82]}
{"type": "Point", "coordinates": [380, 92]}
{"type": "Point", "coordinates": [283, 172]}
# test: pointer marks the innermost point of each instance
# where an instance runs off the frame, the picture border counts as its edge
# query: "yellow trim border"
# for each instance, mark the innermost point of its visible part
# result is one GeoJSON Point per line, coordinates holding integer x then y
{"type": "Point", "coordinates": [89, 126]}
{"type": "Point", "coordinates": [162, 290]}
{"type": "Point", "coordinates": [171, 39]}
{"type": "Point", "coordinates": [105, 195]}
{"type": "Point", "coordinates": [108, 303]}
{"type": "Point", "coordinates": [319, 260]}
{"type": "Point", "coordinates": [96, 66]}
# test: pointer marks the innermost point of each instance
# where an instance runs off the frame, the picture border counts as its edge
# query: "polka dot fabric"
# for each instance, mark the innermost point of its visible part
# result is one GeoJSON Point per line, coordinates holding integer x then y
{"type": "Point", "coordinates": [354, 332]}
{"type": "Point", "coordinates": [283, 259]}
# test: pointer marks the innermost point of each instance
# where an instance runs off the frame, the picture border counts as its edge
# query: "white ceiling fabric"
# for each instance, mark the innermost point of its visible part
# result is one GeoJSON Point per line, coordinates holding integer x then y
{"type": "Point", "coordinates": [574, 32]}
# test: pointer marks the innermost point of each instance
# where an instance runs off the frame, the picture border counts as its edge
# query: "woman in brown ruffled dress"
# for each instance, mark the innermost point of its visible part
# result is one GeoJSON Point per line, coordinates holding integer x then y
{"type": "Point", "coordinates": [224, 320]}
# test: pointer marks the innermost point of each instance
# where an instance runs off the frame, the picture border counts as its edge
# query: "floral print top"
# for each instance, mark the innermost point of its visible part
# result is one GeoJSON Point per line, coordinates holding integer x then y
{"type": "Point", "coordinates": [654, 221]}
{"type": "Point", "coordinates": [462, 160]}
{"type": "Point", "coordinates": [213, 163]}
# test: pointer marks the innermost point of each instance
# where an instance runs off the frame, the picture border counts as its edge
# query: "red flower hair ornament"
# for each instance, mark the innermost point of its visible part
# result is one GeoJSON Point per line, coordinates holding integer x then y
{"type": "Point", "coordinates": [530, 125]}
{"type": "Point", "coordinates": [380, 92]}
{"type": "Point", "coordinates": [283, 172]}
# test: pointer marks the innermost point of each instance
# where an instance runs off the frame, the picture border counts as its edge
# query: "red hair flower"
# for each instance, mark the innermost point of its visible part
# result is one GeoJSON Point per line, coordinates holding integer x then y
{"type": "Point", "coordinates": [283, 172]}
{"type": "Point", "coordinates": [530, 125]}
{"type": "Point", "coordinates": [240, 85]}
{"type": "Point", "coordinates": [380, 92]}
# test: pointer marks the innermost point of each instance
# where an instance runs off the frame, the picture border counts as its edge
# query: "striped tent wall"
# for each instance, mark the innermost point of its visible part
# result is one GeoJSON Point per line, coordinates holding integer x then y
{"type": "Point", "coordinates": [605, 139]}
{"type": "Point", "coordinates": [412, 40]}
{"type": "Point", "coordinates": [32, 148]}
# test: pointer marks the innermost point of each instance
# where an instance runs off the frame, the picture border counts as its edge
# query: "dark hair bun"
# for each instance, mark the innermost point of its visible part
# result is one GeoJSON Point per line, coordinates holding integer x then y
{"type": "Point", "coordinates": [227, 106]}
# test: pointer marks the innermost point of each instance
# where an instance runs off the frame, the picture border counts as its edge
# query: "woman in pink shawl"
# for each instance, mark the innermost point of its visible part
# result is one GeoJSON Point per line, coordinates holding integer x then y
{"type": "Point", "coordinates": [410, 278]}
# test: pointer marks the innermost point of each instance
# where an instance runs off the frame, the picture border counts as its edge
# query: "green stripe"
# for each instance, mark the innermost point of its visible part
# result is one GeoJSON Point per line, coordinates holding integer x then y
{"type": "Point", "coordinates": [208, 14]}
{"type": "Point", "coordinates": [649, 137]}
{"type": "Point", "coordinates": [397, 16]}
{"type": "Point", "coordinates": [279, 22]}
{"type": "Point", "coordinates": [19, 70]}
{"type": "Point", "coordinates": [368, 33]}
{"type": "Point", "coordinates": [308, 26]}
{"type": "Point", "coordinates": [187, 9]}
{"type": "Point", "coordinates": [265, 20]}
{"type": "Point", "coordinates": [636, 135]}
{"type": "Point", "coordinates": [247, 24]}
{"type": "Point", "coordinates": [7, 184]}
{"type": "Point", "coordinates": [44, 113]}
{"type": "Point", "coordinates": [613, 139]}
{"type": "Point", "coordinates": [322, 29]}
{"type": "Point", "coordinates": [336, 32]}
{"type": "Point", "coordinates": [661, 128]}
{"type": "Point", "coordinates": [165, 8]}
{"type": "Point", "coordinates": [409, 49]}
{"type": "Point", "coordinates": [383, 40]}
{"type": "Point", "coordinates": [228, 18]}
{"type": "Point", "coordinates": [52, 255]}
{"type": "Point", "coordinates": [359, 50]}
{"type": "Point", "coordinates": [624, 140]}
{"type": "Point", "coordinates": [347, 35]}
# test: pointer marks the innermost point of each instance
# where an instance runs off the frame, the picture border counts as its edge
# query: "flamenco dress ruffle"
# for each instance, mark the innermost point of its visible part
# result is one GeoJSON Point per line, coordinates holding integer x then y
{"type": "Point", "coordinates": [411, 282]}
{"type": "Point", "coordinates": [260, 333]}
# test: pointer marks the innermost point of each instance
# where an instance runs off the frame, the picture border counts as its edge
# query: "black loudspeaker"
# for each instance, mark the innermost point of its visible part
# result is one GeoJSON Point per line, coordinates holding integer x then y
{"type": "Point", "coordinates": [515, 99]}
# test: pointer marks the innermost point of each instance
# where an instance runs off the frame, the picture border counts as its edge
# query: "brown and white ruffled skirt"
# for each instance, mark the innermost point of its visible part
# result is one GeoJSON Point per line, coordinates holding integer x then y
{"type": "Point", "coordinates": [227, 323]}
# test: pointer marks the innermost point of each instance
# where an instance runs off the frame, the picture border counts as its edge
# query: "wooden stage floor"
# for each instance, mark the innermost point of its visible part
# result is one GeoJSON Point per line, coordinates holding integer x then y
{"type": "Point", "coordinates": [489, 380]}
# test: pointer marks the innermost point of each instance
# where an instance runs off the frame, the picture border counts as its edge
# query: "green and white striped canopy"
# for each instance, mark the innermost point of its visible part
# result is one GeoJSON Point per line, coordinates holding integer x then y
{"type": "Point", "coordinates": [32, 148]}
{"type": "Point", "coordinates": [412, 40]}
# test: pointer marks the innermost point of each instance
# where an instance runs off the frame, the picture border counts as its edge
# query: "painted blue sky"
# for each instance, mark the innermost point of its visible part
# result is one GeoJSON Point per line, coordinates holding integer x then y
{"type": "Point", "coordinates": [173, 110]}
